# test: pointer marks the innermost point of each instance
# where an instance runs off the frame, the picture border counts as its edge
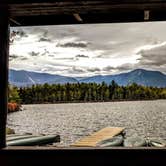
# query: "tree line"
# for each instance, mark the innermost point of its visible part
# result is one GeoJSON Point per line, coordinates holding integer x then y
{"type": "Point", "coordinates": [86, 92]}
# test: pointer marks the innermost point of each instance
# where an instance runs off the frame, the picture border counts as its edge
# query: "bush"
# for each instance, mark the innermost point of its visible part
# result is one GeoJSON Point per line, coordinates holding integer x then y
{"type": "Point", "coordinates": [9, 131]}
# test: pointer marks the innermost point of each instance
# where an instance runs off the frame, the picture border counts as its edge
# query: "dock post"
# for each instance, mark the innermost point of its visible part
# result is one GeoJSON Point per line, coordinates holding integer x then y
{"type": "Point", "coordinates": [4, 55]}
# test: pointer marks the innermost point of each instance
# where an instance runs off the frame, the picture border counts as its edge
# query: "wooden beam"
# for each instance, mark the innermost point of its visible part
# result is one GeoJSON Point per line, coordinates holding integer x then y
{"type": "Point", "coordinates": [35, 9]}
{"type": "Point", "coordinates": [77, 17]}
{"type": "Point", "coordinates": [4, 54]}
{"type": "Point", "coordinates": [33, 156]}
{"type": "Point", "coordinates": [51, 12]}
{"type": "Point", "coordinates": [15, 22]}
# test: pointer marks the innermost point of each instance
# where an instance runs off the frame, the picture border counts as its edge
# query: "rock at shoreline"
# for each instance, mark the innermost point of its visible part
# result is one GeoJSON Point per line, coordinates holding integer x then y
{"type": "Point", "coordinates": [134, 142]}
{"type": "Point", "coordinates": [13, 107]}
{"type": "Point", "coordinates": [10, 131]}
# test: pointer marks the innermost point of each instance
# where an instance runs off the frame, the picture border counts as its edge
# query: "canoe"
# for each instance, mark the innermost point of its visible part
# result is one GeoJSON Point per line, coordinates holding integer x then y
{"type": "Point", "coordinates": [41, 140]}
{"type": "Point", "coordinates": [14, 135]}
{"type": "Point", "coordinates": [157, 143]}
{"type": "Point", "coordinates": [134, 142]}
{"type": "Point", "coordinates": [114, 141]}
{"type": "Point", "coordinates": [17, 137]}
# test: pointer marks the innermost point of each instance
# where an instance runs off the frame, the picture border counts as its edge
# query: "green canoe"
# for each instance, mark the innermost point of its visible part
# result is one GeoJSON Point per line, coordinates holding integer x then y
{"type": "Point", "coordinates": [134, 142]}
{"type": "Point", "coordinates": [115, 141]}
{"type": "Point", "coordinates": [157, 143]}
{"type": "Point", "coordinates": [40, 140]}
{"type": "Point", "coordinates": [17, 137]}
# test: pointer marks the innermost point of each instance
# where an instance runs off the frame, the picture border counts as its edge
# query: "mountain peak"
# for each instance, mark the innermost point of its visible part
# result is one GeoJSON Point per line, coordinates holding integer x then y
{"type": "Point", "coordinates": [139, 76]}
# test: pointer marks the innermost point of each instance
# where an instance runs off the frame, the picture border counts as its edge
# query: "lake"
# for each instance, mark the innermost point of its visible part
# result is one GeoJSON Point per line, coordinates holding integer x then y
{"type": "Point", "coordinates": [76, 120]}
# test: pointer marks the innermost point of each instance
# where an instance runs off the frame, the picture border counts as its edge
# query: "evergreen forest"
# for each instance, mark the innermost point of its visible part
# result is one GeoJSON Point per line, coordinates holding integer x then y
{"type": "Point", "coordinates": [84, 92]}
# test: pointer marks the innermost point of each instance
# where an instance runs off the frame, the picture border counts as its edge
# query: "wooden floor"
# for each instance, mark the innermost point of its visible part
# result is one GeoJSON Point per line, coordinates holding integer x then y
{"type": "Point", "coordinates": [92, 140]}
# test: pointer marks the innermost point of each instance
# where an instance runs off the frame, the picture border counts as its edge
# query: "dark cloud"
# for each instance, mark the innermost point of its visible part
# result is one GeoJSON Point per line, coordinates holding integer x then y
{"type": "Point", "coordinates": [125, 67]}
{"type": "Point", "coordinates": [45, 52]}
{"type": "Point", "coordinates": [153, 57]}
{"type": "Point", "coordinates": [76, 70]}
{"type": "Point", "coordinates": [82, 56]}
{"type": "Point", "coordinates": [95, 69]}
{"type": "Point", "coordinates": [64, 58]}
{"type": "Point", "coordinates": [51, 55]}
{"type": "Point", "coordinates": [34, 53]}
{"type": "Point", "coordinates": [22, 34]}
{"type": "Point", "coordinates": [108, 68]}
{"type": "Point", "coordinates": [23, 58]}
{"type": "Point", "coordinates": [13, 56]}
{"type": "Point", "coordinates": [73, 44]}
{"type": "Point", "coordinates": [42, 39]}
{"type": "Point", "coordinates": [121, 68]}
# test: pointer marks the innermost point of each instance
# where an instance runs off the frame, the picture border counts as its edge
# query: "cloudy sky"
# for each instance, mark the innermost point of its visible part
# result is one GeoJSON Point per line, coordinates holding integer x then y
{"type": "Point", "coordinates": [87, 50]}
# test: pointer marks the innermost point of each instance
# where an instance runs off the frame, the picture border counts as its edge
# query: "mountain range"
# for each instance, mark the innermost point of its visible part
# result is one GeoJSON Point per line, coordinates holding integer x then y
{"type": "Point", "coordinates": [22, 78]}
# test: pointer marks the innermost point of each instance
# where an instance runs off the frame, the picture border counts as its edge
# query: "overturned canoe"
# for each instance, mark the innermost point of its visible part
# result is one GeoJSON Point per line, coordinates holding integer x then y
{"type": "Point", "coordinates": [17, 137]}
{"type": "Point", "coordinates": [115, 141]}
{"type": "Point", "coordinates": [157, 143]}
{"type": "Point", "coordinates": [134, 142]}
{"type": "Point", "coordinates": [40, 140]}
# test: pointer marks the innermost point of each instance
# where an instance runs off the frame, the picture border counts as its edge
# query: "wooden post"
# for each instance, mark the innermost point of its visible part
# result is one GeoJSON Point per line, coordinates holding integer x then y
{"type": "Point", "coordinates": [4, 54]}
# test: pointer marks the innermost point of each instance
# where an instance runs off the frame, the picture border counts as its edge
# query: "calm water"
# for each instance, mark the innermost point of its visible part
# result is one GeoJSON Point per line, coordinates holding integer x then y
{"type": "Point", "coordinates": [73, 121]}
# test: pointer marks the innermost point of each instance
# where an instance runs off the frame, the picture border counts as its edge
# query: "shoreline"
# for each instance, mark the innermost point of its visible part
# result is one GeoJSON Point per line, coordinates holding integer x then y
{"type": "Point", "coordinates": [82, 102]}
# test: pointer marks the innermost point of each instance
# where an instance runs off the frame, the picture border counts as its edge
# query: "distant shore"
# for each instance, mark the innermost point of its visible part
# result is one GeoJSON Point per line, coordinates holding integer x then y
{"type": "Point", "coordinates": [93, 101]}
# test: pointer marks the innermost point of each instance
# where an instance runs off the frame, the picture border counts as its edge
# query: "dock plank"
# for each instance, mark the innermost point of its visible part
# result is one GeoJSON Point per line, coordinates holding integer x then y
{"type": "Point", "coordinates": [93, 139]}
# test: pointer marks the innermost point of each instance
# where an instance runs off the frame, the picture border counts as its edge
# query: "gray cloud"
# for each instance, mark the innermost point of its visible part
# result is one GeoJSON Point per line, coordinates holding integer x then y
{"type": "Point", "coordinates": [95, 69]}
{"type": "Point", "coordinates": [125, 67]}
{"type": "Point", "coordinates": [23, 58]}
{"type": "Point", "coordinates": [121, 68]}
{"type": "Point", "coordinates": [45, 52]}
{"type": "Point", "coordinates": [73, 44]}
{"type": "Point", "coordinates": [82, 56]}
{"type": "Point", "coordinates": [76, 70]}
{"type": "Point", "coordinates": [153, 57]}
{"type": "Point", "coordinates": [22, 34]}
{"type": "Point", "coordinates": [64, 59]}
{"type": "Point", "coordinates": [13, 56]}
{"type": "Point", "coordinates": [108, 68]}
{"type": "Point", "coordinates": [34, 53]}
{"type": "Point", "coordinates": [113, 39]}
{"type": "Point", "coordinates": [44, 36]}
{"type": "Point", "coordinates": [42, 39]}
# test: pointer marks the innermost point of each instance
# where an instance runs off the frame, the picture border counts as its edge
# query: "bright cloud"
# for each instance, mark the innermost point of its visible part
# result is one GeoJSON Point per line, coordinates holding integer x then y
{"type": "Point", "coordinates": [85, 50]}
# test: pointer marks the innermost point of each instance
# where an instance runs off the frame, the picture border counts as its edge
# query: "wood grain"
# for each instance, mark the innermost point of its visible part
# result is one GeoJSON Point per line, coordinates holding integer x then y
{"type": "Point", "coordinates": [92, 140]}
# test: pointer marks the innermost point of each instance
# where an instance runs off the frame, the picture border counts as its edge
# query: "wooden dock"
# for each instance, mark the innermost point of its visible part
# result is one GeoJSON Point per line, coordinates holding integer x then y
{"type": "Point", "coordinates": [93, 139]}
